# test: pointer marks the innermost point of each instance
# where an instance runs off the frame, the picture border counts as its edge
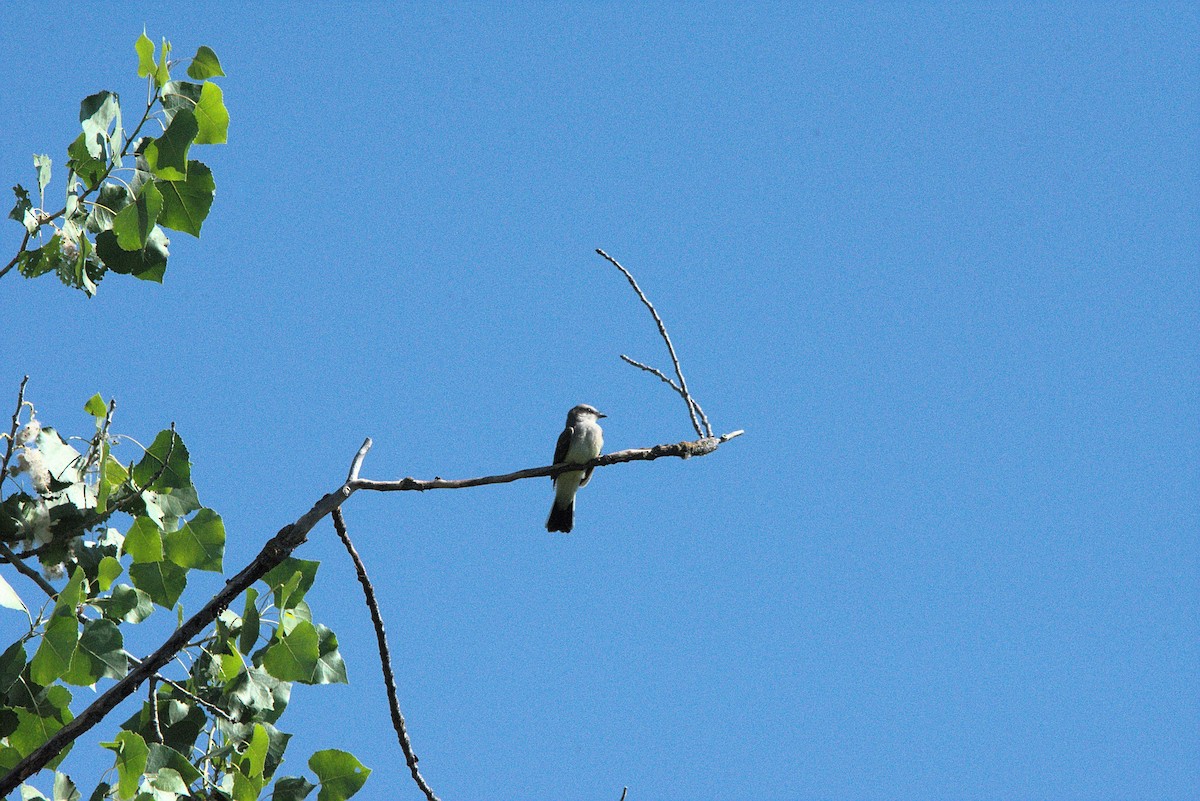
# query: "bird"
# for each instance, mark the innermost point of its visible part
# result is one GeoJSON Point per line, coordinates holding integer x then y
{"type": "Point", "coordinates": [579, 442]}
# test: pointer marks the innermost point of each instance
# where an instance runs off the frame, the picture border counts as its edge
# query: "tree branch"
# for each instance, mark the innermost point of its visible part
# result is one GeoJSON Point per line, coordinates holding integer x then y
{"type": "Point", "coordinates": [13, 559]}
{"type": "Point", "coordinates": [667, 380]}
{"type": "Point", "coordinates": [684, 450]}
{"type": "Point", "coordinates": [279, 548]}
{"type": "Point", "coordinates": [275, 551]}
{"type": "Point", "coordinates": [662, 330]}
{"type": "Point", "coordinates": [385, 658]}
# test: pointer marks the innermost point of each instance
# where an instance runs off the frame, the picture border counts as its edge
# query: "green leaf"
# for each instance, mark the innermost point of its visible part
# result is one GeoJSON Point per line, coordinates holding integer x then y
{"type": "Point", "coordinates": [125, 603]}
{"type": "Point", "coordinates": [162, 73]}
{"type": "Point", "coordinates": [32, 730]}
{"type": "Point", "coordinates": [22, 212]}
{"type": "Point", "coordinates": [64, 788]}
{"type": "Point", "coordinates": [199, 543]}
{"type": "Point", "coordinates": [212, 117]}
{"type": "Point", "coordinates": [9, 597]}
{"type": "Point", "coordinates": [290, 580]}
{"type": "Point", "coordinates": [251, 692]}
{"type": "Point", "coordinates": [133, 224]}
{"type": "Point", "coordinates": [29, 793]}
{"type": "Point", "coordinates": [109, 200]}
{"type": "Point", "coordinates": [97, 113]}
{"type": "Point", "coordinates": [145, 53]}
{"type": "Point", "coordinates": [294, 656]}
{"type": "Point", "coordinates": [254, 758]}
{"type": "Point", "coordinates": [205, 64]}
{"type": "Point", "coordinates": [245, 788]}
{"type": "Point", "coordinates": [81, 162]}
{"type": "Point", "coordinates": [168, 506]}
{"type": "Point", "coordinates": [40, 261]}
{"type": "Point", "coordinates": [164, 582]}
{"type": "Point", "coordinates": [53, 655]}
{"type": "Point", "coordinates": [132, 754]}
{"type": "Point", "coordinates": [164, 757]}
{"type": "Point", "coordinates": [250, 623]}
{"type": "Point", "coordinates": [292, 788]}
{"type": "Point", "coordinates": [42, 165]}
{"type": "Point", "coordinates": [112, 475]}
{"type": "Point", "coordinates": [100, 654]}
{"type": "Point", "coordinates": [179, 95]}
{"type": "Point", "coordinates": [107, 573]}
{"type": "Point", "coordinates": [167, 785]}
{"type": "Point", "coordinates": [63, 461]}
{"type": "Point", "coordinates": [101, 792]}
{"type": "Point", "coordinates": [330, 668]}
{"type": "Point", "coordinates": [186, 203]}
{"type": "Point", "coordinates": [96, 407]}
{"type": "Point", "coordinates": [144, 541]}
{"type": "Point", "coordinates": [341, 775]}
{"type": "Point", "coordinates": [12, 662]}
{"type": "Point", "coordinates": [167, 155]}
{"type": "Point", "coordinates": [165, 464]}
{"type": "Point", "coordinates": [228, 666]}
{"type": "Point", "coordinates": [148, 264]}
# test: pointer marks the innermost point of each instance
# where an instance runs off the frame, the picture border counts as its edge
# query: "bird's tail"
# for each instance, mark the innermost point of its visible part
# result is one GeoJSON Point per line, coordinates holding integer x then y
{"type": "Point", "coordinates": [562, 518]}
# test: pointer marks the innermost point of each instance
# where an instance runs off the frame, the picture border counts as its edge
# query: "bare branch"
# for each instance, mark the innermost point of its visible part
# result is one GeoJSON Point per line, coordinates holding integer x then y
{"type": "Point", "coordinates": [667, 379]}
{"type": "Point", "coordinates": [356, 465]}
{"type": "Point", "coordinates": [385, 658]}
{"type": "Point", "coordinates": [684, 450]}
{"type": "Point", "coordinates": [13, 559]}
{"type": "Point", "coordinates": [12, 434]}
{"type": "Point", "coordinates": [662, 330]}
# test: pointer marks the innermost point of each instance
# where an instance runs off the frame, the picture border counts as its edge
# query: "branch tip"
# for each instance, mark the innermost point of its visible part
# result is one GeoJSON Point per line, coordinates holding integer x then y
{"type": "Point", "coordinates": [356, 463]}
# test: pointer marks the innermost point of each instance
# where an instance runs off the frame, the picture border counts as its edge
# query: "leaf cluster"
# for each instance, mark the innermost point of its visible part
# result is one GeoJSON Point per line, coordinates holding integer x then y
{"type": "Point", "coordinates": [212, 731]}
{"type": "Point", "coordinates": [125, 189]}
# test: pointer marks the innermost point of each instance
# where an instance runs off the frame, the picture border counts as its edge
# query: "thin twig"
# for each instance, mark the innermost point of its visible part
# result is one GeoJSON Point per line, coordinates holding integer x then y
{"type": "Point", "coordinates": [385, 659]}
{"type": "Point", "coordinates": [12, 434]}
{"type": "Point", "coordinates": [156, 725]}
{"type": "Point", "coordinates": [674, 386]}
{"type": "Point", "coordinates": [183, 690]}
{"type": "Point", "coordinates": [624, 790]}
{"type": "Point", "coordinates": [662, 329]}
{"type": "Point", "coordinates": [8, 556]}
{"type": "Point", "coordinates": [683, 450]}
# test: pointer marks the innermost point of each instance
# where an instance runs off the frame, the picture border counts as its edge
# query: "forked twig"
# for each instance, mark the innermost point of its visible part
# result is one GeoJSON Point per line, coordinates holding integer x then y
{"type": "Point", "coordinates": [385, 658]}
{"type": "Point", "coordinates": [667, 380]}
{"type": "Point", "coordinates": [682, 388]}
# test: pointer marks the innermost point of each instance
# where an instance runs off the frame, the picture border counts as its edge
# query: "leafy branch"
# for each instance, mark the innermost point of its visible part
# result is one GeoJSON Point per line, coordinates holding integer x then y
{"type": "Point", "coordinates": [122, 230]}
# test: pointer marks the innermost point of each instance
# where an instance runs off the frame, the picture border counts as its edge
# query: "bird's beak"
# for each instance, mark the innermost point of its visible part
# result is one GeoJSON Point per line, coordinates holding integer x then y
{"type": "Point", "coordinates": [598, 415]}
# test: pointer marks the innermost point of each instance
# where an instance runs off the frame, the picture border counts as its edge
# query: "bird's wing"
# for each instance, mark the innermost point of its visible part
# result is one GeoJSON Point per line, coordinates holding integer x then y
{"type": "Point", "coordinates": [564, 442]}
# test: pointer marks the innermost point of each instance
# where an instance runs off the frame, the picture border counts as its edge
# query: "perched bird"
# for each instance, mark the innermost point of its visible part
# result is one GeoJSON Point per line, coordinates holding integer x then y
{"type": "Point", "coordinates": [579, 442]}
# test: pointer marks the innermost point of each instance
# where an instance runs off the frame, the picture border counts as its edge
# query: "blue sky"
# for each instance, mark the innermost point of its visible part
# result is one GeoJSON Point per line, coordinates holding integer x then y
{"type": "Point", "coordinates": [940, 263]}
